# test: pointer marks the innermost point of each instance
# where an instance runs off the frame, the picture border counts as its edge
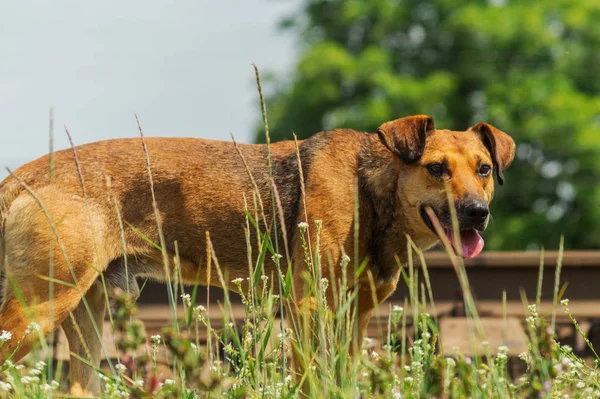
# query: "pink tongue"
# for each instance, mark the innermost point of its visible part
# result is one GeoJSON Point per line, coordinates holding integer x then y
{"type": "Point", "coordinates": [471, 242]}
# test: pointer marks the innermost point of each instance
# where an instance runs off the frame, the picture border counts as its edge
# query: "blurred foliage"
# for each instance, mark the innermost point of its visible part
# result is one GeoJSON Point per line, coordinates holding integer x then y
{"type": "Point", "coordinates": [529, 67]}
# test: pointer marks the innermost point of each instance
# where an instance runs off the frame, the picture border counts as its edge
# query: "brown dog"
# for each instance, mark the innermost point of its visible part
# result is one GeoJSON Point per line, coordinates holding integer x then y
{"type": "Point", "coordinates": [200, 186]}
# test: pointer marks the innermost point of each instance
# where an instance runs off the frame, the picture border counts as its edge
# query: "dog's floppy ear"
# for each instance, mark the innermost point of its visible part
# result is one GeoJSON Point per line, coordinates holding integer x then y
{"type": "Point", "coordinates": [500, 145]}
{"type": "Point", "coordinates": [405, 137]}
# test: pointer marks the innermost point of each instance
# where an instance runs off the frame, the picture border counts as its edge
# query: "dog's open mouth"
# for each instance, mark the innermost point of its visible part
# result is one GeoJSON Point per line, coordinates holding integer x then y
{"type": "Point", "coordinates": [471, 243]}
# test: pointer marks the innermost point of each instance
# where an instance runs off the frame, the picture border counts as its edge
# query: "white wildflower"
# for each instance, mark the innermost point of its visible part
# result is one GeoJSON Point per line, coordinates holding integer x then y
{"type": "Point", "coordinates": [32, 327]}
{"type": "Point", "coordinates": [276, 258]}
{"type": "Point", "coordinates": [397, 309]}
{"type": "Point", "coordinates": [121, 368]}
{"type": "Point", "coordinates": [237, 281]}
{"type": "Point", "coordinates": [531, 321]}
{"type": "Point", "coordinates": [418, 350]}
{"type": "Point", "coordinates": [35, 372]}
{"type": "Point", "coordinates": [564, 302]}
{"type": "Point", "coordinates": [169, 381]}
{"type": "Point", "coordinates": [156, 339]}
{"type": "Point", "coordinates": [533, 310]}
{"type": "Point", "coordinates": [5, 336]}
{"type": "Point", "coordinates": [503, 349]}
{"type": "Point", "coordinates": [580, 385]}
{"type": "Point", "coordinates": [558, 369]}
{"type": "Point", "coordinates": [375, 355]}
{"type": "Point", "coordinates": [324, 283]}
{"type": "Point", "coordinates": [5, 387]}
{"type": "Point", "coordinates": [27, 380]}
{"type": "Point", "coordinates": [138, 383]}
{"type": "Point", "coordinates": [40, 365]}
{"type": "Point", "coordinates": [54, 384]}
{"type": "Point", "coordinates": [187, 299]}
{"type": "Point", "coordinates": [303, 225]}
{"type": "Point", "coordinates": [200, 309]}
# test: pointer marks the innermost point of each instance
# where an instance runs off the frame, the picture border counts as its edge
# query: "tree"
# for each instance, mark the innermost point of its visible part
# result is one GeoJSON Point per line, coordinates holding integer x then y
{"type": "Point", "coordinates": [529, 67]}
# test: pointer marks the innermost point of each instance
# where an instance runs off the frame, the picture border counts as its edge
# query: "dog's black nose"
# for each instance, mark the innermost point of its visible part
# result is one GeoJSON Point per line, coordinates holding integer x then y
{"type": "Point", "coordinates": [476, 212]}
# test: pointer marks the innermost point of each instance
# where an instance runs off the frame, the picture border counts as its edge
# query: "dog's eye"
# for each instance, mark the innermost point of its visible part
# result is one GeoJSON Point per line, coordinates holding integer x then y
{"type": "Point", "coordinates": [484, 170]}
{"type": "Point", "coordinates": [435, 169]}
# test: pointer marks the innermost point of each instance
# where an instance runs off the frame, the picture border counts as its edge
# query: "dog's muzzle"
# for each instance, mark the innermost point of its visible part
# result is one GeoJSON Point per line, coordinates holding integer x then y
{"type": "Point", "coordinates": [472, 217]}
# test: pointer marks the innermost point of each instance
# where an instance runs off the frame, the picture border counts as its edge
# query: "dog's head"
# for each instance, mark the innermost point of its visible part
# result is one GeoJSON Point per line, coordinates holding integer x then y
{"type": "Point", "coordinates": [430, 162]}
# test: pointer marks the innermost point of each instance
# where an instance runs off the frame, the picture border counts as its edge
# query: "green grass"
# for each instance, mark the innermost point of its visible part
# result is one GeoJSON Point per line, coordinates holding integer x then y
{"type": "Point", "coordinates": [251, 357]}
{"type": "Point", "coordinates": [251, 361]}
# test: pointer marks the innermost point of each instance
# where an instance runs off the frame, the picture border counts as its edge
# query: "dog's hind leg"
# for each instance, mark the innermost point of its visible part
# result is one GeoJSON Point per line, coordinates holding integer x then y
{"type": "Point", "coordinates": [47, 276]}
{"type": "Point", "coordinates": [84, 342]}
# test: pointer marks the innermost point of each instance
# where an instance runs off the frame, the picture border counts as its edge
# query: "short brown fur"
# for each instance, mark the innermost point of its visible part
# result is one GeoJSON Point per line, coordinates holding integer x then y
{"type": "Point", "coordinates": [200, 186]}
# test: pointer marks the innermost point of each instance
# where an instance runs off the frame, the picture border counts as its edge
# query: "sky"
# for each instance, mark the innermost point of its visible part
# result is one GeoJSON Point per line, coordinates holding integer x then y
{"type": "Point", "coordinates": [182, 66]}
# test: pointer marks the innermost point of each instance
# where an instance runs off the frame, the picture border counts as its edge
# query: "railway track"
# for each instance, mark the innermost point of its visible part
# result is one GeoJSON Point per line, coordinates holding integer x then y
{"type": "Point", "coordinates": [490, 275]}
